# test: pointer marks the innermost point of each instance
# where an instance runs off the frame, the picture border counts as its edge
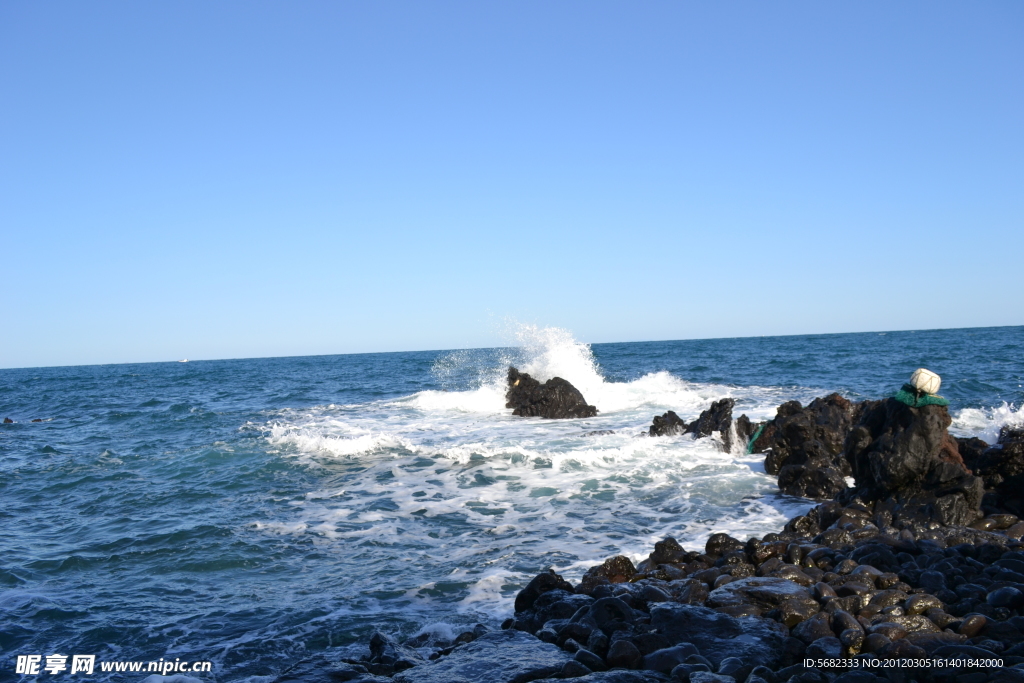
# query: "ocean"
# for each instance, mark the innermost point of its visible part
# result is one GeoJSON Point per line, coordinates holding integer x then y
{"type": "Point", "coordinates": [250, 512]}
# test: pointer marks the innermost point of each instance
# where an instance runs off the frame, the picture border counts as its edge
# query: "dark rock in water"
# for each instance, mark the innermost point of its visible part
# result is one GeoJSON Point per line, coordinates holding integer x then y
{"type": "Point", "coordinates": [555, 399]}
{"type": "Point", "coordinates": [1000, 466]}
{"type": "Point", "coordinates": [753, 640]}
{"type": "Point", "coordinates": [388, 657]}
{"type": "Point", "coordinates": [668, 424]}
{"type": "Point", "coordinates": [552, 604]}
{"type": "Point", "coordinates": [805, 446]}
{"type": "Point", "coordinates": [618, 569]}
{"type": "Point", "coordinates": [907, 455]}
{"type": "Point", "coordinates": [745, 429]}
{"type": "Point", "coordinates": [542, 583]}
{"type": "Point", "coordinates": [717, 418]}
{"type": "Point", "coordinates": [495, 657]}
{"type": "Point", "coordinates": [8, 421]}
{"type": "Point", "coordinates": [599, 432]}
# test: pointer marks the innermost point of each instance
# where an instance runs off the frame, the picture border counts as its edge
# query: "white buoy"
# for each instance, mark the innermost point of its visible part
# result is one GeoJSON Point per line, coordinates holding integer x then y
{"type": "Point", "coordinates": [925, 381]}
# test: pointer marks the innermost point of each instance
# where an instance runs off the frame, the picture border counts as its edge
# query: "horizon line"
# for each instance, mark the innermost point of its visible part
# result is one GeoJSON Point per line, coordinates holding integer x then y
{"type": "Point", "coordinates": [481, 348]}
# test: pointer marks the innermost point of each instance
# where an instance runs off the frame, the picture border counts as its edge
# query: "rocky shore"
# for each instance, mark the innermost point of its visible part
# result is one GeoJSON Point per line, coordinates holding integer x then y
{"type": "Point", "coordinates": [914, 572]}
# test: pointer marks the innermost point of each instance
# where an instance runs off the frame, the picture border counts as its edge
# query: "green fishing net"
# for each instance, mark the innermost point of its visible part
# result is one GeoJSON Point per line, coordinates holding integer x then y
{"type": "Point", "coordinates": [915, 399]}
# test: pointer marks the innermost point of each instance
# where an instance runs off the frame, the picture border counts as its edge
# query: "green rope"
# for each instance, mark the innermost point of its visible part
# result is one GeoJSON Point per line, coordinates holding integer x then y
{"type": "Point", "coordinates": [757, 434]}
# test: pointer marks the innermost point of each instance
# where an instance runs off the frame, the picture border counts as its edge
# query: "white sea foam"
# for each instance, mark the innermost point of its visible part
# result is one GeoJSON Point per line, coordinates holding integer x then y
{"type": "Point", "coordinates": [986, 423]}
{"type": "Point", "coordinates": [454, 486]}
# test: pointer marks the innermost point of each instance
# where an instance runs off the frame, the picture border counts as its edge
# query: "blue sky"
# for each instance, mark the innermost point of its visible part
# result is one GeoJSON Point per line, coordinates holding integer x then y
{"type": "Point", "coordinates": [216, 180]}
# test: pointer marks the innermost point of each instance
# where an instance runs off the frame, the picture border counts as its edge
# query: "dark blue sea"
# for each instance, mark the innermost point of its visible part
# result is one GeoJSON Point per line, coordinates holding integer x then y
{"type": "Point", "coordinates": [250, 512]}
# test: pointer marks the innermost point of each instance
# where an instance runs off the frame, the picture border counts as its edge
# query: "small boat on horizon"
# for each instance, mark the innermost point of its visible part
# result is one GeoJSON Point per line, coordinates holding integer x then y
{"type": "Point", "coordinates": [183, 360]}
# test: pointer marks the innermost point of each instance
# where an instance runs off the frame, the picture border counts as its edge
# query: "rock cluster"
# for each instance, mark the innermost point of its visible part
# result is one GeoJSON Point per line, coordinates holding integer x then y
{"type": "Point", "coordinates": [555, 399]}
{"type": "Point", "coordinates": [717, 418]}
{"type": "Point", "coordinates": [921, 557]}
{"type": "Point", "coordinates": [841, 581]}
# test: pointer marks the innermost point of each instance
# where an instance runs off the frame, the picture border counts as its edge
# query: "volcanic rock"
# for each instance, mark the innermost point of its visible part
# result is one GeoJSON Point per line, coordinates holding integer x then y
{"type": "Point", "coordinates": [555, 399]}
{"type": "Point", "coordinates": [618, 569]}
{"type": "Point", "coordinates": [717, 418]}
{"type": "Point", "coordinates": [805, 445]}
{"type": "Point", "coordinates": [1000, 466]}
{"type": "Point", "coordinates": [496, 657]}
{"type": "Point", "coordinates": [753, 640]}
{"type": "Point", "coordinates": [668, 424]}
{"type": "Point", "coordinates": [767, 593]}
{"type": "Point", "coordinates": [542, 583]}
{"type": "Point", "coordinates": [906, 455]}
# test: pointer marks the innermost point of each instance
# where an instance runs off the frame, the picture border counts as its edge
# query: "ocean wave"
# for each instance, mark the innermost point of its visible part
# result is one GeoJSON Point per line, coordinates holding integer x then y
{"type": "Point", "coordinates": [985, 423]}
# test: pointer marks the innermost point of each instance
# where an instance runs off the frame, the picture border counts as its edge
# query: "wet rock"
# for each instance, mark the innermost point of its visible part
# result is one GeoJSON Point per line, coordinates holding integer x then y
{"type": "Point", "coordinates": [929, 642]}
{"type": "Point", "coordinates": [805, 446]}
{"type": "Point", "coordinates": [556, 604]}
{"type": "Point", "coordinates": [852, 639]}
{"type": "Point", "coordinates": [668, 424]}
{"type": "Point", "coordinates": [874, 642]}
{"type": "Point", "coordinates": [972, 625]}
{"type": "Point", "coordinates": [810, 630]}
{"type": "Point", "coordinates": [315, 669]}
{"type": "Point", "coordinates": [722, 544]}
{"type": "Point", "coordinates": [608, 612]}
{"type": "Point", "coordinates": [573, 669]}
{"type": "Point", "coordinates": [921, 603]}
{"type": "Point", "coordinates": [733, 667]}
{"type": "Point", "coordinates": [618, 569]}
{"type": "Point", "coordinates": [903, 649]}
{"type": "Point", "coordinates": [555, 399]}
{"type": "Point", "coordinates": [906, 455]}
{"type": "Point", "coordinates": [618, 676]}
{"type": "Point", "coordinates": [794, 603]}
{"type": "Point", "coordinates": [623, 654]}
{"type": "Point", "coordinates": [597, 643]}
{"type": "Point", "coordinates": [857, 676]}
{"type": "Point", "coordinates": [666, 659]}
{"type": "Point", "coordinates": [708, 677]}
{"type": "Point", "coordinates": [542, 583]}
{"type": "Point", "coordinates": [667, 550]}
{"type": "Point", "coordinates": [388, 657]}
{"type": "Point", "coordinates": [590, 660]}
{"type": "Point", "coordinates": [1007, 596]}
{"type": "Point", "coordinates": [496, 657]}
{"type": "Point", "coordinates": [717, 418]}
{"type": "Point", "coordinates": [753, 640]}
{"type": "Point", "coordinates": [828, 647]}
{"type": "Point", "coordinates": [915, 623]}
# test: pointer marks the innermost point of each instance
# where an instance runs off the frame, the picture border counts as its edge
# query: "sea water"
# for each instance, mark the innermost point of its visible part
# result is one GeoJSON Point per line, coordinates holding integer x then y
{"type": "Point", "coordinates": [250, 512]}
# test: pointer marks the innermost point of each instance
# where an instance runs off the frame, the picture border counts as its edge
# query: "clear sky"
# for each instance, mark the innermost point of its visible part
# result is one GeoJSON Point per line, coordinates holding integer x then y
{"type": "Point", "coordinates": [235, 179]}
